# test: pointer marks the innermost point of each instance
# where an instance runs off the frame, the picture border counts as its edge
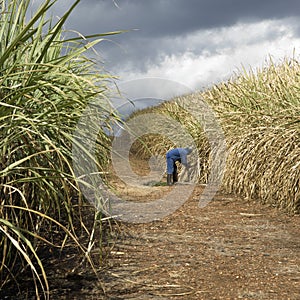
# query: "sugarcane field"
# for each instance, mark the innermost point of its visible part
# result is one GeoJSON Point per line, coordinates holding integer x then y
{"type": "Point", "coordinates": [105, 197]}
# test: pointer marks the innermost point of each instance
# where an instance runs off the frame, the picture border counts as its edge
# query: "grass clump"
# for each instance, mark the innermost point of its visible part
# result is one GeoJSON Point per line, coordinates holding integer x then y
{"type": "Point", "coordinates": [46, 82]}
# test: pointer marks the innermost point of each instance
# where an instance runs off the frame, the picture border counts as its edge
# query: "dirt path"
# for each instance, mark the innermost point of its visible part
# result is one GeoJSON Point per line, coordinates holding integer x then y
{"type": "Point", "coordinates": [231, 249]}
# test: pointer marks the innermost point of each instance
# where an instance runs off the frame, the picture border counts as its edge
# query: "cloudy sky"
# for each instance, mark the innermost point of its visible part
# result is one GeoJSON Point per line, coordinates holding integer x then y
{"type": "Point", "coordinates": [195, 42]}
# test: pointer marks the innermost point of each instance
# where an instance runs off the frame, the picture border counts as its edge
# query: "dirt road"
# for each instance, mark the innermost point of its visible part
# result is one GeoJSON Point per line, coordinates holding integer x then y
{"type": "Point", "coordinates": [230, 249]}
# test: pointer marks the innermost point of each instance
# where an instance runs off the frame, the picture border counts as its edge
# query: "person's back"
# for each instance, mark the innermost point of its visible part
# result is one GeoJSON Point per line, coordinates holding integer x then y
{"type": "Point", "coordinates": [175, 153]}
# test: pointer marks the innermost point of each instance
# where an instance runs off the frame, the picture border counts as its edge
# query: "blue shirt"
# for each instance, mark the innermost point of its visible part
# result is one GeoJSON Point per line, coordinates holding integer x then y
{"type": "Point", "coordinates": [178, 154]}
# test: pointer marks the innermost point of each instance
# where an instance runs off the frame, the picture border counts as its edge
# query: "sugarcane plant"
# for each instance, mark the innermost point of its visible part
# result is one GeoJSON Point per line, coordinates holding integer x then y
{"type": "Point", "coordinates": [46, 80]}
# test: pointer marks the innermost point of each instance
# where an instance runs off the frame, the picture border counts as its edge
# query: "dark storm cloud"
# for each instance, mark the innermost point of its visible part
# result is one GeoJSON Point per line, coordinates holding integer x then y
{"type": "Point", "coordinates": [162, 29]}
{"type": "Point", "coordinates": [158, 21]}
{"type": "Point", "coordinates": [175, 17]}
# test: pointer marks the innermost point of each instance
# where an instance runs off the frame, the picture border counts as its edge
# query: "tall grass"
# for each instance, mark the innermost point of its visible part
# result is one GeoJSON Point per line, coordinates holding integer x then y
{"type": "Point", "coordinates": [46, 80]}
{"type": "Point", "coordinates": [259, 113]}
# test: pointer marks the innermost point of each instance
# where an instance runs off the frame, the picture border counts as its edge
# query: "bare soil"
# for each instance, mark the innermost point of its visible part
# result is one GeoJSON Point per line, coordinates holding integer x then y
{"type": "Point", "coordinates": [231, 249]}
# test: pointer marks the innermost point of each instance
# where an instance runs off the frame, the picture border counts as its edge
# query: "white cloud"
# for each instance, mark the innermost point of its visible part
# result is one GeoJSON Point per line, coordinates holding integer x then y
{"type": "Point", "coordinates": [209, 56]}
